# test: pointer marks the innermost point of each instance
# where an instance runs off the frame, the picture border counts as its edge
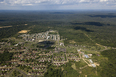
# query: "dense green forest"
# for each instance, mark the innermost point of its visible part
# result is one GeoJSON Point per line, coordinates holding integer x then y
{"type": "Point", "coordinates": [108, 67]}
{"type": "Point", "coordinates": [11, 31]}
{"type": "Point", "coordinates": [67, 71]}
{"type": "Point", "coordinates": [51, 72]}
{"type": "Point", "coordinates": [5, 56]}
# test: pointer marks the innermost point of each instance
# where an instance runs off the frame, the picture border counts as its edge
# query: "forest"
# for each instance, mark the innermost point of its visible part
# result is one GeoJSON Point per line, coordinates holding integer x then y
{"type": "Point", "coordinates": [5, 56]}
{"type": "Point", "coordinates": [101, 26]}
{"type": "Point", "coordinates": [109, 67]}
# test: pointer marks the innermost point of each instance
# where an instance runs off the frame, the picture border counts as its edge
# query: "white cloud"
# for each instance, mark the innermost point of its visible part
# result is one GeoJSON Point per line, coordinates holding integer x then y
{"type": "Point", "coordinates": [82, 1]}
{"type": "Point", "coordinates": [103, 0]}
{"type": "Point", "coordinates": [27, 4]}
{"type": "Point", "coordinates": [14, 2]}
{"type": "Point", "coordinates": [1, 1]}
{"type": "Point", "coordinates": [85, 1]}
{"type": "Point", "coordinates": [40, 1]}
{"type": "Point", "coordinates": [59, 3]}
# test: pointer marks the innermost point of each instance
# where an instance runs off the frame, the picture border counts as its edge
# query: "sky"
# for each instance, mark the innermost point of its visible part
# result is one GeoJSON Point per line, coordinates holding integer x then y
{"type": "Point", "coordinates": [57, 4]}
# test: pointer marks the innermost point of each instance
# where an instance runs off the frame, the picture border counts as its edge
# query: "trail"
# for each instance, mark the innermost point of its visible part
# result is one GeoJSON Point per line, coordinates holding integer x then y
{"type": "Point", "coordinates": [17, 70]}
{"type": "Point", "coordinates": [85, 62]}
{"type": "Point", "coordinates": [95, 42]}
{"type": "Point", "coordinates": [99, 44]}
{"type": "Point", "coordinates": [74, 67]}
{"type": "Point", "coordinates": [84, 67]}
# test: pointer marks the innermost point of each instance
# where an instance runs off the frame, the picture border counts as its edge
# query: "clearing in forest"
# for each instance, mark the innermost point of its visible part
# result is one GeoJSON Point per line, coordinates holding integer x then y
{"type": "Point", "coordinates": [72, 41]}
{"type": "Point", "coordinates": [23, 31]}
{"type": "Point", "coordinates": [5, 26]}
{"type": "Point", "coordinates": [74, 67]}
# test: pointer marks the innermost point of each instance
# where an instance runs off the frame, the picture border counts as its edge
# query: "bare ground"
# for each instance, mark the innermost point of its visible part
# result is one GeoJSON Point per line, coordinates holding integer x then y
{"type": "Point", "coordinates": [23, 31]}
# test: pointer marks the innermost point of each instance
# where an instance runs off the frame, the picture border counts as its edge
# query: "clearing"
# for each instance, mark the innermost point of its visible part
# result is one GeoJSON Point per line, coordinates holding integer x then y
{"type": "Point", "coordinates": [5, 26]}
{"type": "Point", "coordinates": [74, 67]}
{"type": "Point", "coordinates": [72, 41]}
{"type": "Point", "coordinates": [23, 31]}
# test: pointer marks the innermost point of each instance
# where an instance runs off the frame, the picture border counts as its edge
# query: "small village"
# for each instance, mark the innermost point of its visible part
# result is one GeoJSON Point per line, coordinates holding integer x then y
{"type": "Point", "coordinates": [48, 35]}
{"type": "Point", "coordinates": [33, 61]}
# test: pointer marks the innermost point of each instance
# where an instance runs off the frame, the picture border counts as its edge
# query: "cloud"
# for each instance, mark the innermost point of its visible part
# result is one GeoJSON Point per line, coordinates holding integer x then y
{"type": "Point", "coordinates": [84, 1]}
{"type": "Point", "coordinates": [14, 2]}
{"type": "Point", "coordinates": [1, 0]}
{"type": "Point", "coordinates": [59, 3]}
{"type": "Point", "coordinates": [103, 0]}
{"type": "Point", "coordinates": [22, 2]}
{"type": "Point", "coordinates": [27, 4]}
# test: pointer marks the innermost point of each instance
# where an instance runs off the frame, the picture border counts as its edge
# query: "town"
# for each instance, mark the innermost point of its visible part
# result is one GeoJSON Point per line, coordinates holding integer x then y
{"type": "Point", "coordinates": [34, 52]}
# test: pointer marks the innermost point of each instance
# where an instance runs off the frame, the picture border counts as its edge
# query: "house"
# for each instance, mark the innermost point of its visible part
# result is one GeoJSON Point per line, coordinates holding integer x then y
{"type": "Point", "coordinates": [90, 61]}
{"type": "Point", "coordinates": [38, 73]}
{"type": "Point", "coordinates": [93, 65]}
{"type": "Point", "coordinates": [16, 44]}
{"type": "Point", "coordinates": [61, 44]}
{"type": "Point", "coordinates": [86, 56]}
{"type": "Point", "coordinates": [29, 73]}
{"type": "Point", "coordinates": [89, 55]}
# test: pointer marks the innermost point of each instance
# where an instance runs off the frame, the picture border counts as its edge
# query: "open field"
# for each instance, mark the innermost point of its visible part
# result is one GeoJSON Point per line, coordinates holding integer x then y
{"type": "Point", "coordinates": [72, 41]}
{"type": "Point", "coordinates": [23, 31]}
{"type": "Point", "coordinates": [5, 26]}
{"type": "Point", "coordinates": [73, 66]}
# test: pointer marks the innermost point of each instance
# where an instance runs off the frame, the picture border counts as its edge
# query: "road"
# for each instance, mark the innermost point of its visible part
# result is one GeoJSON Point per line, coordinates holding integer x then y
{"type": "Point", "coordinates": [99, 44]}
{"type": "Point", "coordinates": [17, 70]}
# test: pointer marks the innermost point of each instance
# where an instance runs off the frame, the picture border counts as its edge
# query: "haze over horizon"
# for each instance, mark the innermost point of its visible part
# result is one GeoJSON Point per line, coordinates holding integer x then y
{"type": "Point", "coordinates": [57, 4]}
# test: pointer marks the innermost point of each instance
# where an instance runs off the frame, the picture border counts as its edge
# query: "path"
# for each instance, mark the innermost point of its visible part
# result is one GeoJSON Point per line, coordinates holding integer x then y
{"type": "Point", "coordinates": [17, 70]}
{"type": "Point", "coordinates": [84, 67]}
{"type": "Point", "coordinates": [99, 44]}
{"type": "Point", "coordinates": [86, 62]}
{"type": "Point", "coordinates": [74, 67]}
{"type": "Point", "coordinates": [95, 42]}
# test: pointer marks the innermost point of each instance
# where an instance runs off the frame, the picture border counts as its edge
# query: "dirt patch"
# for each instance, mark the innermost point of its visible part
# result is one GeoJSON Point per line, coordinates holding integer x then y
{"type": "Point", "coordinates": [41, 40]}
{"type": "Point", "coordinates": [85, 75]}
{"type": "Point", "coordinates": [96, 64]}
{"type": "Point", "coordinates": [23, 31]}
{"type": "Point", "coordinates": [74, 67]}
{"type": "Point", "coordinates": [52, 31]}
{"type": "Point", "coordinates": [98, 44]}
{"type": "Point", "coordinates": [80, 72]}
{"type": "Point", "coordinates": [5, 26]}
{"type": "Point", "coordinates": [72, 41]}
{"type": "Point", "coordinates": [26, 24]}
{"type": "Point", "coordinates": [62, 68]}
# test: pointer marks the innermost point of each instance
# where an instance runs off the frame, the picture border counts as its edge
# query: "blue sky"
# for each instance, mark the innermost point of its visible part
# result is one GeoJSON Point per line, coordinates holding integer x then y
{"type": "Point", "coordinates": [57, 4]}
